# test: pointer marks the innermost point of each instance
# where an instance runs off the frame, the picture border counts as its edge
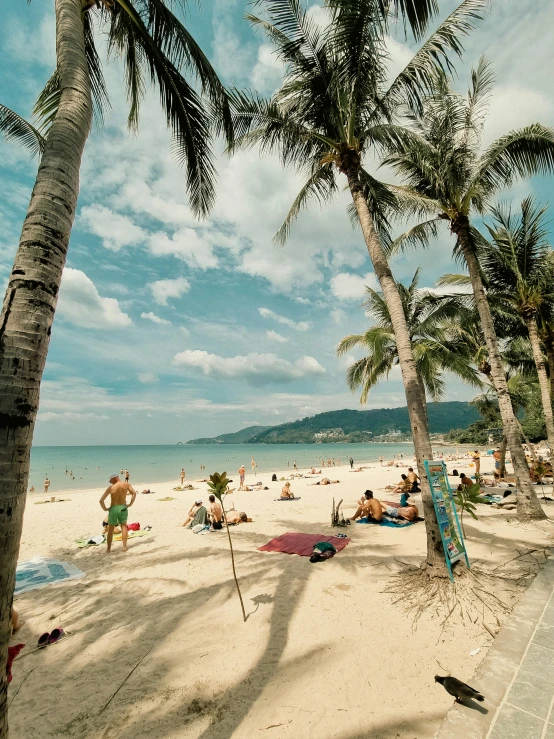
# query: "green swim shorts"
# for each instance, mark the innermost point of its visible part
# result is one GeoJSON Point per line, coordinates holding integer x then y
{"type": "Point", "coordinates": [117, 515]}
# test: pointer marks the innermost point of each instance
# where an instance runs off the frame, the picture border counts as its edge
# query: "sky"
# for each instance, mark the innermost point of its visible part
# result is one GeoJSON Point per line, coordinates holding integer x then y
{"type": "Point", "coordinates": [169, 328]}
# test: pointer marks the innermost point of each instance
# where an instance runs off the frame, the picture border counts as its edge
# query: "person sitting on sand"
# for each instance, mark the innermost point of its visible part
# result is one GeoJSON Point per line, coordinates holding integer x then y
{"type": "Point", "coordinates": [414, 480]}
{"type": "Point", "coordinates": [404, 486]}
{"type": "Point", "coordinates": [368, 507]}
{"type": "Point", "coordinates": [196, 513]}
{"type": "Point", "coordinates": [118, 511]}
{"type": "Point", "coordinates": [465, 480]}
{"type": "Point", "coordinates": [286, 492]}
{"type": "Point", "coordinates": [215, 514]}
{"type": "Point", "coordinates": [407, 513]}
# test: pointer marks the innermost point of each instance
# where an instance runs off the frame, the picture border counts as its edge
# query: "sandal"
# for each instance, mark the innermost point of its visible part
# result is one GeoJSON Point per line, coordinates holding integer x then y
{"type": "Point", "coordinates": [43, 640]}
{"type": "Point", "coordinates": [55, 636]}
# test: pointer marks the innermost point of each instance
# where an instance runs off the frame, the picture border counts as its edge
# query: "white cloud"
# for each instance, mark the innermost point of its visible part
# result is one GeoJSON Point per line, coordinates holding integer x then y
{"type": "Point", "coordinates": [155, 319]}
{"type": "Point", "coordinates": [268, 70]}
{"type": "Point", "coordinates": [185, 244]}
{"type": "Point", "coordinates": [302, 301]}
{"type": "Point", "coordinates": [256, 369]}
{"type": "Point", "coordinates": [274, 336]}
{"type": "Point", "coordinates": [70, 417]}
{"type": "Point", "coordinates": [338, 316]}
{"type": "Point", "coordinates": [81, 304]}
{"type": "Point", "coordinates": [298, 325]}
{"type": "Point", "coordinates": [348, 286]}
{"type": "Point", "coordinates": [163, 290]}
{"type": "Point", "coordinates": [115, 230]}
{"type": "Point", "coordinates": [148, 378]}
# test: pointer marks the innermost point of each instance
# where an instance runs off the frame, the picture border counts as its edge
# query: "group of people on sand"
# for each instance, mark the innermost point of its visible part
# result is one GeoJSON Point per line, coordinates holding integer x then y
{"type": "Point", "coordinates": [408, 483]}
{"type": "Point", "coordinates": [372, 509]}
{"type": "Point", "coordinates": [212, 517]}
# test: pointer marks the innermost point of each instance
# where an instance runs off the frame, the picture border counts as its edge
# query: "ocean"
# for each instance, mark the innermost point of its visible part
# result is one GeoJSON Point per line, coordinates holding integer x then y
{"type": "Point", "coordinates": [91, 465]}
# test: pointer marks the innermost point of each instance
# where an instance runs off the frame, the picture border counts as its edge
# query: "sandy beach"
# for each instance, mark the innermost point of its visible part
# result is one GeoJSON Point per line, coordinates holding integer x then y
{"type": "Point", "coordinates": [326, 650]}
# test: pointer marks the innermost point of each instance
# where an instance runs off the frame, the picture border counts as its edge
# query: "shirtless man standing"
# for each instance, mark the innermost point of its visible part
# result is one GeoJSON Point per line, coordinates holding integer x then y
{"type": "Point", "coordinates": [182, 476]}
{"type": "Point", "coordinates": [117, 512]}
{"type": "Point", "coordinates": [242, 472]}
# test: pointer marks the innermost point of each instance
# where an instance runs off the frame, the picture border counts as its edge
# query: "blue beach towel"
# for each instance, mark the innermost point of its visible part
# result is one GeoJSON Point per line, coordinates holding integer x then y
{"type": "Point", "coordinates": [39, 572]}
{"type": "Point", "coordinates": [386, 522]}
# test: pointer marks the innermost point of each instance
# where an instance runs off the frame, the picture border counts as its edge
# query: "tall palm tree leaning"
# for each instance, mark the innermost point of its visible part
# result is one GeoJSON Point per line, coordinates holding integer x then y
{"type": "Point", "coordinates": [154, 45]}
{"type": "Point", "coordinates": [518, 271]}
{"type": "Point", "coordinates": [431, 319]}
{"type": "Point", "coordinates": [332, 110]}
{"type": "Point", "coordinates": [444, 168]}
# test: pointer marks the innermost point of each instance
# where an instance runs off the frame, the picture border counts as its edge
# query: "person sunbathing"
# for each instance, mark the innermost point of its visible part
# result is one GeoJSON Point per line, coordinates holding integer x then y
{"type": "Point", "coordinates": [313, 471]}
{"type": "Point", "coordinates": [234, 517]}
{"type": "Point", "coordinates": [368, 507]}
{"type": "Point", "coordinates": [406, 513]}
{"type": "Point", "coordinates": [326, 481]}
{"type": "Point", "coordinates": [116, 529]}
{"type": "Point", "coordinates": [286, 492]}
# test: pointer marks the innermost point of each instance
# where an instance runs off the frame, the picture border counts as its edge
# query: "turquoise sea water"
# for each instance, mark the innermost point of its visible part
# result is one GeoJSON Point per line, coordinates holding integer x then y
{"type": "Point", "coordinates": [91, 465]}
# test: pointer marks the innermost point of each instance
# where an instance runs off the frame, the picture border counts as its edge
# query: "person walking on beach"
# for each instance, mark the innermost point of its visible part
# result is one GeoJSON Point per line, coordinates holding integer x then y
{"type": "Point", "coordinates": [242, 472]}
{"type": "Point", "coordinates": [294, 465]}
{"type": "Point", "coordinates": [117, 512]}
{"type": "Point", "coordinates": [183, 476]}
{"type": "Point", "coordinates": [477, 460]}
{"type": "Point", "coordinates": [351, 463]}
{"type": "Point", "coordinates": [126, 475]}
{"type": "Point", "coordinates": [46, 484]}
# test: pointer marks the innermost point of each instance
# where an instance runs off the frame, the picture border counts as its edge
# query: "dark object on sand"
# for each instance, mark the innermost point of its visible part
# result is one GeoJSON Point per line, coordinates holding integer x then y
{"type": "Point", "coordinates": [337, 516]}
{"type": "Point", "coordinates": [458, 689]}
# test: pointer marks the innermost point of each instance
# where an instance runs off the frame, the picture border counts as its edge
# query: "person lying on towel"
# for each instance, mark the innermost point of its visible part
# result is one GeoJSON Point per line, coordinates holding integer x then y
{"type": "Point", "coordinates": [368, 507]}
{"type": "Point", "coordinates": [406, 513]}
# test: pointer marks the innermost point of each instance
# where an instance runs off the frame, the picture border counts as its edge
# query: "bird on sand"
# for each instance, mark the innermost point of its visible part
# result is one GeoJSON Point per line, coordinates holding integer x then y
{"type": "Point", "coordinates": [458, 689]}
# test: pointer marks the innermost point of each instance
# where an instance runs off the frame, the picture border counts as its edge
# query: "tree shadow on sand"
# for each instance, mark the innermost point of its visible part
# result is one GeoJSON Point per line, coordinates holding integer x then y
{"type": "Point", "coordinates": [150, 611]}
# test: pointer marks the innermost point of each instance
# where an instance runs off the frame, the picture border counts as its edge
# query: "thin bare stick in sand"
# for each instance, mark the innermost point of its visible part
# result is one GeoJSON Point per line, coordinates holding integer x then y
{"type": "Point", "coordinates": [124, 681]}
{"type": "Point", "coordinates": [19, 688]}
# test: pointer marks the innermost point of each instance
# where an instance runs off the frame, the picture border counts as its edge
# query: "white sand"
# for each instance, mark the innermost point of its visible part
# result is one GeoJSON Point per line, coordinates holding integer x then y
{"type": "Point", "coordinates": [324, 653]}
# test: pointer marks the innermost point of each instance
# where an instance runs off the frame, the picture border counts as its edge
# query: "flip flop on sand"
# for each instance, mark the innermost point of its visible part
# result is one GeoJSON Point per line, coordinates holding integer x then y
{"type": "Point", "coordinates": [43, 640]}
{"type": "Point", "coordinates": [55, 636]}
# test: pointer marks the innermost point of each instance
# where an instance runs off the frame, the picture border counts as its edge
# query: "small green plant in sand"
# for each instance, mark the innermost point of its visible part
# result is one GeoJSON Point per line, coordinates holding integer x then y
{"type": "Point", "coordinates": [466, 499]}
{"type": "Point", "coordinates": [219, 484]}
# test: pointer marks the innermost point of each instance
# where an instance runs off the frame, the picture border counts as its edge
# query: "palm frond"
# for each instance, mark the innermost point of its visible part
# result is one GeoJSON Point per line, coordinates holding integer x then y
{"type": "Point", "coordinates": [417, 236]}
{"type": "Point", "coordinates": [99, 92]}
{"type": "Point", "coordinates": [186, 117]}
{"type": "Point", "coordinates": [321, 185]}
{"type": "Point", "coordinates": [47, 103]}
{"type": "Point", "coordinates": [417, 79]}
{"type": "Point", "coordinates": [17, 129]}
{"type": "Point", "coordinates": [521, 153]}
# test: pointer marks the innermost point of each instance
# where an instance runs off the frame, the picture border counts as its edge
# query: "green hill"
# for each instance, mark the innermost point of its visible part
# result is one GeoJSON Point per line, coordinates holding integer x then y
{"type": "Point", "coordinates": [237, 437]}
{"type": "Point", "coordinates": [351, 425]}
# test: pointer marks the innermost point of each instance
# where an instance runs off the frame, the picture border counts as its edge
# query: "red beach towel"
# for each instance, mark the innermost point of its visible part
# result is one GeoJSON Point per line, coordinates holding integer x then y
{"type": "Point", "coordinates": [301, 544]}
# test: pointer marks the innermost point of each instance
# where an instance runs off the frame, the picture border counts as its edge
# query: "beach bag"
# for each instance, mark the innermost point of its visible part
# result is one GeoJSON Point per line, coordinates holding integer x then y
{"type": "Point", "coordinates": [198, 527]}
{"type": "Point", "coordinates": [133, 526]}
{"type": "Point", "coordinates": [322, 550]}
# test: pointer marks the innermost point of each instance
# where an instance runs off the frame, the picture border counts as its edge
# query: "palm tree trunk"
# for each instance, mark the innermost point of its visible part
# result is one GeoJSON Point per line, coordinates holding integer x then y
{"type": "Point", "coordinates": [550, 357]}
{"type": "Point", "coordinates": [233, 564]}
{"type": "Point", "coordinates": [31, 297]}
{"type": "Point", "coordinates": [528, 506]}
{"type": "Point", "coordinates": [544, 385]}
{"type": "Point", "coordinates": [415, 397]}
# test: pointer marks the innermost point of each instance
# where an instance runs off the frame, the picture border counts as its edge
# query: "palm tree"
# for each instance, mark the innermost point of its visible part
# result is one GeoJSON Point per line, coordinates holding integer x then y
{"type": "Point", "coordinates": [154, 45]}
{"type": "Point", "coordinates": [332, 110]}
{"type": "Point", "coordinates": [17, 129]}
{"type": "Point", "coordinates": [431, 319]}
{"type": "Point", "coordinates": [447, 173]}
{"type": "Point", "coordinates": [518, 271]}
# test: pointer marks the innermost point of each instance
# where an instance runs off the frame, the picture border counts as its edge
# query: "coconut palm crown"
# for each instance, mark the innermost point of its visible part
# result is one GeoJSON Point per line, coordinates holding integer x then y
{"type": "Point", "coordinates": [437, 344]}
